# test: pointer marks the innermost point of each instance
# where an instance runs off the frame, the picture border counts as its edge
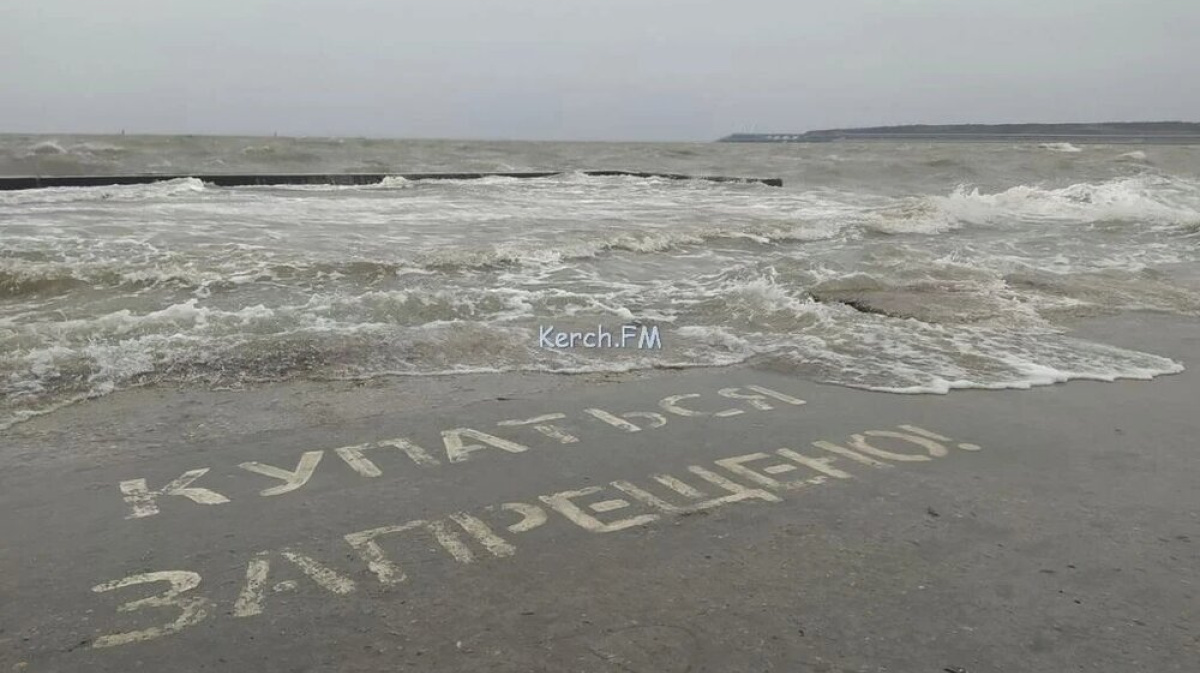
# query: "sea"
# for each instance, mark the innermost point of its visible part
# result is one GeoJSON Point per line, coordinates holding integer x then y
{"type": "Point", "coordinates": [904, 268]}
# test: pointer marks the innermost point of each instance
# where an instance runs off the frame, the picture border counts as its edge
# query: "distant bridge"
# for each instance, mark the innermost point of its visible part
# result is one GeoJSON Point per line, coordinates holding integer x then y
{"type": "Point", "coordinates": [1009, 134]}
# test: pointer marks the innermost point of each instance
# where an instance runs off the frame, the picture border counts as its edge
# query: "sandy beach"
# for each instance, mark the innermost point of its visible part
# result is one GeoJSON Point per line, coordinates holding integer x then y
{"type": "Point", "coordinates": [667, 521]}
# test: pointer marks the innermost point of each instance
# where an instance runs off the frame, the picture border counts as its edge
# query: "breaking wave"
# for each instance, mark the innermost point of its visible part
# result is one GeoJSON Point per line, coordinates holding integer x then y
{"type": "Point", "coordinates": [1060, 147]}
{"type": "Point", "coordinates": [1143, 199]}
{"type": "Point", "coordinates": [48, 147]}
{"type": "Point", "coordinates": [892, 288]}
{"type": "Point", "coordinates": [1136, 155]}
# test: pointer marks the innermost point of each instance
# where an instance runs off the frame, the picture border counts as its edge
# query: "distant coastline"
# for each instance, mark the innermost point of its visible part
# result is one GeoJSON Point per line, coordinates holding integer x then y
{"type": "Point", "coordinates": [1111, 132]}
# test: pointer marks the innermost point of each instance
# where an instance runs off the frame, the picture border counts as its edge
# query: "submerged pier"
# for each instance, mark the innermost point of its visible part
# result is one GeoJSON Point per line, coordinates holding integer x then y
{"type": "Point", "coordinates": [259, 179]}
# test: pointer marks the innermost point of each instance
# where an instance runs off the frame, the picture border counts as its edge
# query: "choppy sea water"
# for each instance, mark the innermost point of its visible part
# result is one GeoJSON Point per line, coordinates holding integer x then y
{"type": "Point", "coordinates": [896, 267]}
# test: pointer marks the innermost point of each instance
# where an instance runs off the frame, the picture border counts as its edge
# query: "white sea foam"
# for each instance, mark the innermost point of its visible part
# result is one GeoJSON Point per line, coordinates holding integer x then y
{"type": "Point", "coordinates": [154, 190]}
{"type": "Point", "coordinates": [106, 288]}
{"type": "Point", "coordinates": [909, 356]}
{"type": "Point", "coordinates": [1060, 147]}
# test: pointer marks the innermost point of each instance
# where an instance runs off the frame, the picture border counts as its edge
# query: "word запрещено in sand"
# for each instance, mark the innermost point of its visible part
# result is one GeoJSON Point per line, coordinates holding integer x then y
{"type": "Point", "coordinates": [489, 532]}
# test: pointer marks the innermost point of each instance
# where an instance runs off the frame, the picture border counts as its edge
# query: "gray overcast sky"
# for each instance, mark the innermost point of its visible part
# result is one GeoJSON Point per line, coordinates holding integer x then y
{"type": "Point", "coordinates": [593, 70]}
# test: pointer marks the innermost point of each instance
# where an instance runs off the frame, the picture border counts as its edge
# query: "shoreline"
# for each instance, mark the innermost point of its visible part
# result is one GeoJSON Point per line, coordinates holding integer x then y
{"type": "Point", "coordinates": [197, 412]}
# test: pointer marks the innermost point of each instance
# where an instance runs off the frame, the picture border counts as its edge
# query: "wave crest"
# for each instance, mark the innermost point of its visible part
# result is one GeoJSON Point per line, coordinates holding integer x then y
{"type": "Point", "coordinates": [1142, 199]}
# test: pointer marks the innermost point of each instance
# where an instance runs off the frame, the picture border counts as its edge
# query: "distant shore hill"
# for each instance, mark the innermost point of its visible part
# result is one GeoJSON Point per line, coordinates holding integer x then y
{"type": "Point", "coordinates": [1109, 132]}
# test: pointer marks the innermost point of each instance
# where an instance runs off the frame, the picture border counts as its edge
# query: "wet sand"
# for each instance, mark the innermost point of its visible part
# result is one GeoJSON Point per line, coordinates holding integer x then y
{"type": "Point", "coordinates": [1046, 529]}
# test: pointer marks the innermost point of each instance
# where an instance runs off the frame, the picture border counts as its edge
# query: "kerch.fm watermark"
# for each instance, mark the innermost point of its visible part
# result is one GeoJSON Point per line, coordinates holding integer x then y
{"type": "Point", "coordinates": [642, 337]}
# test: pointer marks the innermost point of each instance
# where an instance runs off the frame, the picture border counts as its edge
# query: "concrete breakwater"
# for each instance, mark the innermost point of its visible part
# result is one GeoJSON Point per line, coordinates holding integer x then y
{"type": "Point", "coordinates": [255, 179]}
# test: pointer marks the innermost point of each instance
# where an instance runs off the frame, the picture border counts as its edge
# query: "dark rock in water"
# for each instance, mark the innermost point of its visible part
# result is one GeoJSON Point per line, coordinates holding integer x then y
{"type": "Point", "coordinates": [925, 304]}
